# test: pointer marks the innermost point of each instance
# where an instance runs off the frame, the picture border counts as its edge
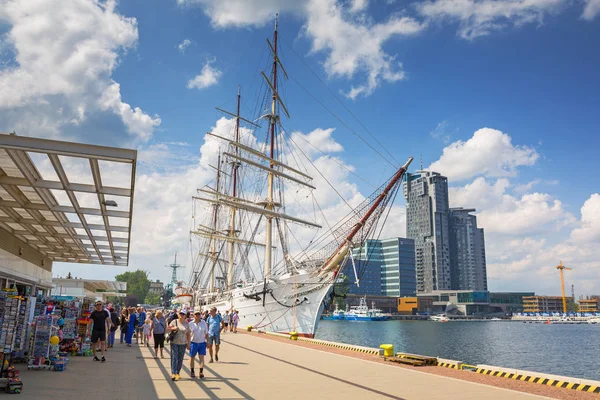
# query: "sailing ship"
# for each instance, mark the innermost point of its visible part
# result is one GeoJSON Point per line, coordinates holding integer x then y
{"type": "Point", "coordinates": [281, 288]}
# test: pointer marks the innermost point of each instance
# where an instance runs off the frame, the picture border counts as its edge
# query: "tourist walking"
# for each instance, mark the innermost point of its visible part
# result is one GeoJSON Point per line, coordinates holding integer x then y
{"type": "Point", "coordinates": [159, 328]}
{"type": "Point", "coordinates": [235, 319]}
{"type": "Point", "coordinates": [99, 322]}
{"type": "Point", "coordinates": [139, 332]}
{"type": "Point", "coordinates": [124, 324]}
{"type": "Point", "coordinates": [132, 323]}
{"type": "Point", "coordinates": [114, 318]}
{"type": "Point", "coordinates": [215, 326]}
{"type": "Point", "coordinates": [226, 321]}
{"type": "Point", "coordinates": [180, 340]}
{"type": "Point", "coordinates": [199, 329]}
{"type": "Point", "coordinates": [147, 331]}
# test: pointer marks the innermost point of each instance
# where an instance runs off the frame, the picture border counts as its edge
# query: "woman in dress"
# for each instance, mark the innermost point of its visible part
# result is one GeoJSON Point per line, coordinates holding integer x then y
{"type": "Point", "coordinates": [132, 323]}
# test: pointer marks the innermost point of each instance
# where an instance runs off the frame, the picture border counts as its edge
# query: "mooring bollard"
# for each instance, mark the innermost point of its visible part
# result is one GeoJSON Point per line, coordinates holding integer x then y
{"type": "Point", "coordinates": [294, 335]}
{"type": "Point", "coordinates": [249, 328]}
{"type": "Point", "coordinates": [388, 350]}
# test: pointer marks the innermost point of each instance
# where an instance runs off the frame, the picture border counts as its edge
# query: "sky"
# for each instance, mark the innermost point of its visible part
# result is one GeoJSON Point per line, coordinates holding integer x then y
{"type": "Point", "coordinates": [502, 97]}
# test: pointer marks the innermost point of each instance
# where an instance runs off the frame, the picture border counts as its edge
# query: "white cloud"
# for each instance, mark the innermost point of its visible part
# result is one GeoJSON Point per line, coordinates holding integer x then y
{"type": "Point", "coordinates": [64, 58]}
{"type": "Point", "coordinates": [355, 45]}
{"type": "Point", "coordinates": [358, 5]}
{"type": "Point", "coordinates": [225, 13]}
{"type": "Point", "coordinates": [208, 77]}
{"type": "Point", "coordinates": [184, 45]}
{"type": "Point", "coordinates": [489, 153]}
{"type": "Point", "coordinates": [441, 132]}
{"type": "Point", "coordinates": [591, 10]}
{"type": "Point", "coordinates": [351, 42]}
{"type": "Point", "coordinates": [317, 140]}
{"type": "Point", "coordinates": [482, 17]}
{"type": "Point", "coordinates": [590, 221]}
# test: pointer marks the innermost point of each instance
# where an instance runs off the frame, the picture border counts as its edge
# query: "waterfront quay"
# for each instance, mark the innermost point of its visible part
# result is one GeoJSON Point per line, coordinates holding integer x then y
{"type": "Point", "coordinates": [259, 366]}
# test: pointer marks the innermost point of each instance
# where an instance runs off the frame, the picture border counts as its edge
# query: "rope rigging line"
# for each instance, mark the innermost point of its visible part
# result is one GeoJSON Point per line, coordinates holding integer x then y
{"type": "Point", "coordinates": [339, 101]}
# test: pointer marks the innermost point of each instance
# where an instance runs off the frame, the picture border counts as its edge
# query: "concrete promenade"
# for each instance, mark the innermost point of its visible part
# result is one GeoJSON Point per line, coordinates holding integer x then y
{"type": "Point", "coordinates": [251, 367]}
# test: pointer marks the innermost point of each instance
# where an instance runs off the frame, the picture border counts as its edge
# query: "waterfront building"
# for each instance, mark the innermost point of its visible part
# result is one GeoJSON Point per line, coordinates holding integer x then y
{"type": "Point", "coordinates": [508, 302]}
{"type": "Point", "coordinates": [157, 288]}
{"type": "Point", "coordinates": [589, 305]}
{"type": "Point", "coordinates": [408, 305]}
{"type": "Point", "coordinates": [544, 304]}
{"type": "Point", "coordinates": [467, 251]}
{"type": "Point", "coordinates": [387, 266]}
{"type": "Point", "coordinates": [427, 211]}
{"type": "Point", "coordinates": [458, 302]}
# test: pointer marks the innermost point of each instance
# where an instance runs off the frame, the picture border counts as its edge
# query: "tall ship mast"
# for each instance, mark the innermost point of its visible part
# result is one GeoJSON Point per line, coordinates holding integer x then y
{"type": "Point", "coordinates": [245, 260]}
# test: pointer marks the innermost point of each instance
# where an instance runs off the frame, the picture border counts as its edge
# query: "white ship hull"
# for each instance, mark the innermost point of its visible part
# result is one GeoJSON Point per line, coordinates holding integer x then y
{"type": "Point", "coordinates": [278, 313]}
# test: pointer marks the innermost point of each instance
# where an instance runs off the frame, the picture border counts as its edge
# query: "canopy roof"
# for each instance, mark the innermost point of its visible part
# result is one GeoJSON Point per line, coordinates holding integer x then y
{"type": "Point", "coordinates": [72, 202]}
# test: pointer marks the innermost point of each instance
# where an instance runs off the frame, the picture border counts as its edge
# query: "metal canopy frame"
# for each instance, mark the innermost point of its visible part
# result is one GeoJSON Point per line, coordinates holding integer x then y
{"type": "Point", "coordinates": [30, 211]}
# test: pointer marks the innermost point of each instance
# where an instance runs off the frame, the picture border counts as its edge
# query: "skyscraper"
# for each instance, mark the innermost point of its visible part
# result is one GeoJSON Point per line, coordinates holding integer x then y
{"type": "Point", "coordinates": [427, 210]}
{"type": "Point", "coordinates": [390, 263]}
{"type": "Point", "coordinates": [467, 251]}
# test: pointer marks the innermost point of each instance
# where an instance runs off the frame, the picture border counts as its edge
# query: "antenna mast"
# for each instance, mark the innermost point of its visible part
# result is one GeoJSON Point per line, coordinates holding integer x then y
{"type": "Point", "coordinates": [174, 267]}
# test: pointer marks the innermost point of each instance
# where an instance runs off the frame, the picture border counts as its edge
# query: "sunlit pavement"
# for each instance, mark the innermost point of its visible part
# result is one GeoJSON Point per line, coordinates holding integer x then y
{"type": "Point", "coordinates": [249, 368]}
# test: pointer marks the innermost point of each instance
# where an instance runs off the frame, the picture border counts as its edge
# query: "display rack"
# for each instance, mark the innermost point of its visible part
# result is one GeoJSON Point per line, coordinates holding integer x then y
{"type": "Point", "coordinates": [45, 327]}
{"type": "Point", "coordinates": [10, 313]}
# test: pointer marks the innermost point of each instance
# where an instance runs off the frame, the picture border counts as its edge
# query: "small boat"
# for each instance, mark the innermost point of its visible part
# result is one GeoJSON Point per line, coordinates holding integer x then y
{"type": "Point", "coordinates": [439, 318]}
{"type": "Point", "coordinates": [183, 295]}
{"type": "Point", "coordinates": [337, 315]}
{"type": "Point", "coordinates": [364, 313]}
{"type": "Point", "coordinates": [496, 319]}
{"type": "Point", "coordinates": [593, 321]}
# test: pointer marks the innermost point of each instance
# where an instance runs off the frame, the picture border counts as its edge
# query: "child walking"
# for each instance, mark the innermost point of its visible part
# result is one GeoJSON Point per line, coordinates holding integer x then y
{"type": "Point", "coordinates": [147, 330]}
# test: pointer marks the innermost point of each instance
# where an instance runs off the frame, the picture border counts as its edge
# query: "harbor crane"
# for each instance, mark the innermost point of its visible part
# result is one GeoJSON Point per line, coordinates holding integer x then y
{"type": "Point", "coordinates": [561, 268]}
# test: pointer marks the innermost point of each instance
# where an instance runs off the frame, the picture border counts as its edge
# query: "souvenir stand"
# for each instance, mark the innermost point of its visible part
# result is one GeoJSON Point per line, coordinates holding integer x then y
{"type": "Point", "coordinates": [83, 339]}
{"type": "Point", "coordinates": [43, 351]}
{"type": "Point", "coordinates": [12, 317]}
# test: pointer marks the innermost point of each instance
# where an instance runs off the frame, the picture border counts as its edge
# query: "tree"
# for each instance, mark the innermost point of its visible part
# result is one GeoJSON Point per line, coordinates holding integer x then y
{"type": "Point", "coordinates": [152, 299]}
{"type": "Point", "coordinates": [341, 287]}
{"type": "Point", "coordinates": [138, 283]}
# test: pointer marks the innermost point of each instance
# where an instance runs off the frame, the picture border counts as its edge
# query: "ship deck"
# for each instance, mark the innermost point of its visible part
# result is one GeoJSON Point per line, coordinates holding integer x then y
{"type": "Point", "coordinates": [256, 367]}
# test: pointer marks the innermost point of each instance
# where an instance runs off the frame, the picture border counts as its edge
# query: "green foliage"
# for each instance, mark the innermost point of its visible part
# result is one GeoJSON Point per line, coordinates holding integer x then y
{"type": "Point", "coordinates": [152, 299]}
{"type": "Point", "coordinates": [138, 283]}
{"type": "Point", "coordinates": [572, 307]}
{"type": "Point", "coordinates": [342, 287]}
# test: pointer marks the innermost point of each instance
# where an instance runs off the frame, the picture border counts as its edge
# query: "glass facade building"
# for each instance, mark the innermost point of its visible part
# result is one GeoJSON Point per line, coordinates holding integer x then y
{"type": "Point", "coordinates": [388, 268]}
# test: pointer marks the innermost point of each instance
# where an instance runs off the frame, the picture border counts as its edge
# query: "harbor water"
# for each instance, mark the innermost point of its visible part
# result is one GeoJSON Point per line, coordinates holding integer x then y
{"type": "Point", "coordinates": [569, 350]}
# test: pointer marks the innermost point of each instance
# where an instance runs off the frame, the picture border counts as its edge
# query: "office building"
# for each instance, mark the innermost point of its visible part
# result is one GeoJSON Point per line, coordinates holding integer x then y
{"type": "Point", "coordinates": [427, 211]}
{"type": "Point", "coordinates": [387, 267]}
{"type": "Point", "coordinates": [467, 251]}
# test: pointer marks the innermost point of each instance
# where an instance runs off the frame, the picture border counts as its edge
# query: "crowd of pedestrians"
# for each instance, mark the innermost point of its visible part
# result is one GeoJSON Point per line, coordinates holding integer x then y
{"type": "Point", "coordinates": [182, 330]}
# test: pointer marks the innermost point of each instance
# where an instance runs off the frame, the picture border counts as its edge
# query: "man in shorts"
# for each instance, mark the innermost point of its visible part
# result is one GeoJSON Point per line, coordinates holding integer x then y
{"type": "Point", "coordinates": [215, 326]}
{"type": "Point", "coordinates": [99, 321]}
{"type": "Point", "coordinates": [199, 329]}
{"type": "Point", "coordinates": [226, 320]}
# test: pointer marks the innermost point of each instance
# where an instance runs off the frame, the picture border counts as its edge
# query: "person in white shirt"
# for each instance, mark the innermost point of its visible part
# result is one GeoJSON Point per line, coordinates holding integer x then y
{"type": "Point", "coordinates": [199, 329]}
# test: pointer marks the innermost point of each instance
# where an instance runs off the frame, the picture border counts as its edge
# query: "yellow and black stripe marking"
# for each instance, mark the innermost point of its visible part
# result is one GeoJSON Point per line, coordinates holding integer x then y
{"type": "Point", "coordinates": [448, 365]}
{"type": "Point", "coordinates": [342, 346]}
{"type": "Point", "coordinates": [540, 380]}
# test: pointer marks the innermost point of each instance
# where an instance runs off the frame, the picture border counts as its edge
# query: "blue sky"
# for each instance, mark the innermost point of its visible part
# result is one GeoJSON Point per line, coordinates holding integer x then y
{"type": "Point", "coordinates": [526, 70]}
